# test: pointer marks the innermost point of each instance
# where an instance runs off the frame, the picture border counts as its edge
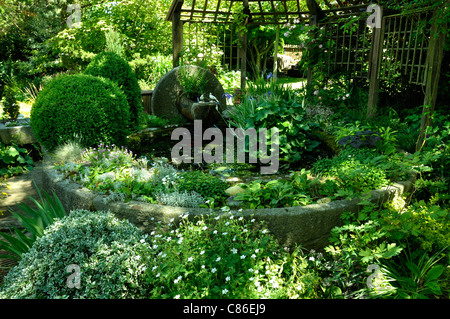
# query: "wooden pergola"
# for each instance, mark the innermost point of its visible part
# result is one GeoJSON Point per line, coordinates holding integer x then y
{"type": "Point", "coordinates": [420, 60]}
{"type": "Point", "coordinates": [257, 12]}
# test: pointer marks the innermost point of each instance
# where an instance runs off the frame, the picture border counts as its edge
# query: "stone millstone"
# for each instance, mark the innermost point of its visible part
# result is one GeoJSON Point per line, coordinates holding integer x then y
{"type": "Point", "coordinates": [166, 92]}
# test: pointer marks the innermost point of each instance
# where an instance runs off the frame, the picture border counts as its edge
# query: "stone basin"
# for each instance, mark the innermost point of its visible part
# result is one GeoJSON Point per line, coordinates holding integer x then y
{"type": "Point", "coordinates": [309, 226]}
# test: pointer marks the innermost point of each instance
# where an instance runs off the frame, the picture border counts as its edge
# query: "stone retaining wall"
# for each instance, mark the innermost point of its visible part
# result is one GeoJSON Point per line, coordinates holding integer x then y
{"type": "Point", "coordinates": [309, 225]}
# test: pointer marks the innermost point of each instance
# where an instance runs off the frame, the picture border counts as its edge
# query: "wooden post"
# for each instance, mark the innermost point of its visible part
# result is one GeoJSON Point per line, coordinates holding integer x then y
{"type": "Point", "coordinates": [243, 47]}
{"type": "Point", "coordinates": [177, 34]}
{"type": "Point", "coordinates": [275, 54]}
{"type": "Point", "coordinates": [374, 65]}
{"type": "Point", "coordinates": [433, 71]}
{"type": "Point", "coordinates": [317, 15]}
{"type": "Point", "coordinates": [243, 58]}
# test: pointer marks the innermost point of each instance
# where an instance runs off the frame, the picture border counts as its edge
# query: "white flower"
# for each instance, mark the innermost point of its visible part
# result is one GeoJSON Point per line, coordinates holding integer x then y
{"type": "Point", "coordinates": [202, 252]}
{"type": "Point", "coordinates": [227, 278]}
{"type": "Point", "coordinates": [224, 292]}
{"type": "Point", "coordinates": [177, 297]}
{"type": "Point", "coordinates": [311, 258]}
{"type": "Point", "coordinates": [250, 270]}
{"type": "Point", "coordinates": [213, 270]}
{"type": "Point", "coordinates": [215, 232]}
{"type": "Point", "coordinates": [224, 233]}
{"type": "Point", "coordinates": [253, 256]}
{"type": "Point", "coordinates": [243, 257]}
{"type": "Point", "coordinates": [190, 258]}
{"type": "Point", "coordinates": [234, 251]}
{"type": "Point", "coordinates": [218, 259]}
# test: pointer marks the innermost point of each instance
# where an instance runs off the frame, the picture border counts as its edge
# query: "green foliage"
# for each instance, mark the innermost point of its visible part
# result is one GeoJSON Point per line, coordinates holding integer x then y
{"type": "Point", "coordinates": [155, 121]}
{"type": "Point", "coordinates": [421, 224]}
{"type": "Point", "coordinates": [358, 170]}
{"type": "Point", "coordinates": [150, 69]}
{"type": "Point", "coordinates": [104, 247]}
{"type": "Point", "coordinates": [91, 108]}
{"type": "Point", "coordinates": [276, 193]}
{"type": "Point", "coordinates": [111, 66]}
{"type": "Point", "coordinates": [14, 160]}
{"type": "Point", "coordinates": [296, 137]}
{"type": "Point", "coordinates": [353, 248]}
{"type": "Point", "coordinates": [419, 278]}
{"type": "Point", "coordinates": [202, 183]}
{"type": "Point", "coordinates": [34, 221]}
{"type": "Point", "coordinates": [193, 83]}
{"type": "Point", "coordinates": [223, 256]}
{"type": "Point", "coordinates": [10, 104]}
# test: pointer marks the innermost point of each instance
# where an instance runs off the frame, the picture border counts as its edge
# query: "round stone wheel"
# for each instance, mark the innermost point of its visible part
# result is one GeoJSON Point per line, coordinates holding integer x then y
{"type": "Point", "coordinates": [165, 95]}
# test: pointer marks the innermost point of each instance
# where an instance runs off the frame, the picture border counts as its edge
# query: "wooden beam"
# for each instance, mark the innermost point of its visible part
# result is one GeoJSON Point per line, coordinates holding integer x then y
{"type": "Point", "coordinates": [433, 70]}
{"type": "Point", "coordinates": [243, 48]}
{"type": "Point", "coordinates": [374, 66]}
{"type": "Point", "coordinates": [177, 34]}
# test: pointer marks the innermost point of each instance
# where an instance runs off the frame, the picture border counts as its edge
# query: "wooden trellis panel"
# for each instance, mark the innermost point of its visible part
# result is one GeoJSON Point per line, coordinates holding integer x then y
{"type": "Point", "coordinates": [346, 50]}
{"type": "Point", "coordinates": [405, 47]}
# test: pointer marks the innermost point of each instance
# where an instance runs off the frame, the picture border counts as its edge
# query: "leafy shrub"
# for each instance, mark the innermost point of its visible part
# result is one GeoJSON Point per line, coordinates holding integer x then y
{"type": "Point", "coordinates": [34, 221]}
{"type": "Point", "coordinates": [276, 193]}
{"type": "Point", "coordinates": [150, 69]}
{"type": "Point", "coordinates": [10, 105]}
{"type": "Point", "coordinates": [111, 66]}
{"type": "Point", "coordinates": [353, 248]}
{"type": "Point", "coordinates": [223, 256]}
{"type": "Point", "coordinates": [296, 135]}
{"type": "Point", "coordinates": [14, 160]}
{"type": "Point", "coordinates": [354, 169]}
{"type": "Point", "coordinates": [92, 108]}
{"type": "Point", "coordinates": [204, 184]}
{"type": "Point", "coordinates": [104, 248]}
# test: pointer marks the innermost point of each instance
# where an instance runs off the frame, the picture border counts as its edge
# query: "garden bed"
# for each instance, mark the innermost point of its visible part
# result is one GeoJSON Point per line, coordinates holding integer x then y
{"type": "Point", "coordinates": [308, 225]}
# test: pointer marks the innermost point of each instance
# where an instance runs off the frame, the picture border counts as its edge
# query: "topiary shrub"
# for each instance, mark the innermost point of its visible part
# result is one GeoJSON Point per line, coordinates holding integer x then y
{"type": "Point", "coordinates": [112, 66]}
{"type": "Point", "coordinates": [88, 108]}
{"type": "Point", "coordinates": [103, 247]}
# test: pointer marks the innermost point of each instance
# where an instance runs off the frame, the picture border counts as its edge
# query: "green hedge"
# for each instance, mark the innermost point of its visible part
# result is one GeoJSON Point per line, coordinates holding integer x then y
{"type": "Point", "coordinates": [113, 67]}
{"type": "Point", "coordinates": [83, 107]}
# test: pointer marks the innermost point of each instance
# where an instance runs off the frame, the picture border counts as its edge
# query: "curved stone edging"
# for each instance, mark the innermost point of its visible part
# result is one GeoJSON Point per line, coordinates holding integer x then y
{"type": "Point", "coordinates": [309, 225]}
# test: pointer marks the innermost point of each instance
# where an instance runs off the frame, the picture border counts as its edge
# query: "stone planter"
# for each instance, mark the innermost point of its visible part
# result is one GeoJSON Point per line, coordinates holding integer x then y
{"type": "Point", "coordinates": [309, 225]}
{"type": "Point", "coordinates": [22, 134]}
